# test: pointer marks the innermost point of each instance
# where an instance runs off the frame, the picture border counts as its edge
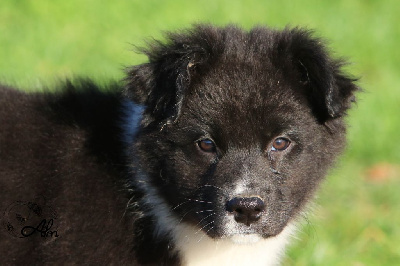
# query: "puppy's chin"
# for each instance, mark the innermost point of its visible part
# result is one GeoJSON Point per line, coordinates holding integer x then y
{"type": "Point", "coordinates": [242, 239]}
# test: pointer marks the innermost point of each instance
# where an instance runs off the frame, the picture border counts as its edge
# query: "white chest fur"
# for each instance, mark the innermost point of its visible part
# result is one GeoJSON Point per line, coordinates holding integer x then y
{"type": "Point", "coordinates": [198, 249]}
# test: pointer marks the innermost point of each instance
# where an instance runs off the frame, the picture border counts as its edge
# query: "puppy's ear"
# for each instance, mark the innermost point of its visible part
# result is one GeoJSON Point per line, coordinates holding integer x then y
{"type": "Point", "coordinates": [161, 84]}
{"type": "Point", "coordinates": [139, 83]}
{"type": "Point", "coordinates": [159, 87]}
{"type": "Point", "coordinates": [329, 91]}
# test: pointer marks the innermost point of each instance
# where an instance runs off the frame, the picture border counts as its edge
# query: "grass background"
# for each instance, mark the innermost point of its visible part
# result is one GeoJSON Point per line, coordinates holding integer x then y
{"type": "Point", "coordinates": [357, 214]}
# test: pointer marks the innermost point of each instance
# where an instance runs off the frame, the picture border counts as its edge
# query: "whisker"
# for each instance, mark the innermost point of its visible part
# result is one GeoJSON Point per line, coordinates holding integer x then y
{"type": "Point", "coordinates": [213, 187]}
{"type": "Point", "coordinates": [203, 227]}
{"type": "Point", "coordinates": [183, 216]}
{"type": "Point", "coordinates": [201, 238]}
{"type": "Point", "coordinates": [204, 211]}
{"type": "Point", "coordinates": [180, 204]}
{"type": "Point", "coordinates": [201, 201]}
{"type": "Point", "coordinates": [205, 218]}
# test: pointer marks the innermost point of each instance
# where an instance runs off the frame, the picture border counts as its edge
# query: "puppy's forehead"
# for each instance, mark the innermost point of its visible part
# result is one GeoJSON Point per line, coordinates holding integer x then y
{"type": "Point", "coordinates": [245, 87]}
{"type": "Point", "coordinates": [243, 99]}
{"type": "Point", "coordinates": [233, 79]}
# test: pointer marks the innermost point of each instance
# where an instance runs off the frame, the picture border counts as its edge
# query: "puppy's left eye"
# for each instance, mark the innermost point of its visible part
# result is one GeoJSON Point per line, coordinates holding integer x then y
{"type": "Point", "coordinates": [280, 144]}
{"type": "Point", "coordinates": [206, 145]}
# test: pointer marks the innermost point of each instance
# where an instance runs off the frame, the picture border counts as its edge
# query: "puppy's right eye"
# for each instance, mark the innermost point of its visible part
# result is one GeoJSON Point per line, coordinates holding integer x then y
{"type": "Point", "coordinates": [280, 144]}
{"type": "Point", "coordinates": [206, 145]}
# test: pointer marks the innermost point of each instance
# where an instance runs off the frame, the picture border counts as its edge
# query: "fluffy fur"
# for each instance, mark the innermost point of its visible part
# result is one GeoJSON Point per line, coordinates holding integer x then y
{"type": "Point", "coordinates": [206, 155]}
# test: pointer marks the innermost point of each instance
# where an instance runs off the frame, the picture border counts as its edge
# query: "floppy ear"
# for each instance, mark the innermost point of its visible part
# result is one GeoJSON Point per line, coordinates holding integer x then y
{"type": "Point", "coordinates": [160, 85]}
{"type": "Point", "coordinates": [329, 91]}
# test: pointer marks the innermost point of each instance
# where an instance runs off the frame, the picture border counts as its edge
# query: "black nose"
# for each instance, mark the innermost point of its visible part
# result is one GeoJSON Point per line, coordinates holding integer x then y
{"type": "Point", "coordinates": [246, 210]}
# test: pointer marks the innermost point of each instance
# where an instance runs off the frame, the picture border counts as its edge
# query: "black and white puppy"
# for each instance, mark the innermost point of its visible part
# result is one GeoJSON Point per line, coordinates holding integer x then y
{"type": "Point", "coordinates": [207, 157]}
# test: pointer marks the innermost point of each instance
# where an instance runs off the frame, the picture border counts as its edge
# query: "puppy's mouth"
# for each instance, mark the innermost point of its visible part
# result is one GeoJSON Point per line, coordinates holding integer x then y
{"type": "Point", "coordinates": [225, 226]}
{"type": "Point", "coordinates": [240, 219]}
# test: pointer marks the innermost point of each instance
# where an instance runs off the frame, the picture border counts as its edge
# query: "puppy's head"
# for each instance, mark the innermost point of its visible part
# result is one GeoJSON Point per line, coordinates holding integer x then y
{"type": "Point", "coordinates": [239, 127]}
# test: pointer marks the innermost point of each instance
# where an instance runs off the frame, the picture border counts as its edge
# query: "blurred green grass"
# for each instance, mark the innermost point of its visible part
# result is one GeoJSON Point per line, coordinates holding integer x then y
{"type": "Point", "coordinates": [356, 218]}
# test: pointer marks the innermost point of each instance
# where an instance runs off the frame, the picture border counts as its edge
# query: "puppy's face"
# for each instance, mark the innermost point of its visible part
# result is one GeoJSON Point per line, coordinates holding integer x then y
{"type": "Point", "coordinates": [243, 156]}
{"type": "Point", "coordinates": [249, 140]}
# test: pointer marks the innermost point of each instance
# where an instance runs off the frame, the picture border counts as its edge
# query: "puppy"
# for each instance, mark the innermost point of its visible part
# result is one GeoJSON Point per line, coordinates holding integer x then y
{"type": "Point", "coordinates": [206, 155]}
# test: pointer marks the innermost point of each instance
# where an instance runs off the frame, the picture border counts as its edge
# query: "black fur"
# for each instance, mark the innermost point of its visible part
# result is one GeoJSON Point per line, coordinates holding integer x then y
{"type": "Point", "coordinates": [242, 90]}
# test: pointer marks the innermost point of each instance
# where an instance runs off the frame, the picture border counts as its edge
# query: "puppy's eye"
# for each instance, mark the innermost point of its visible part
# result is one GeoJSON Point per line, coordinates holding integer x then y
{"type": "Point", "coordinates": [280, 144]}
{"type": "Point", "coordinates": [206, 145]}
